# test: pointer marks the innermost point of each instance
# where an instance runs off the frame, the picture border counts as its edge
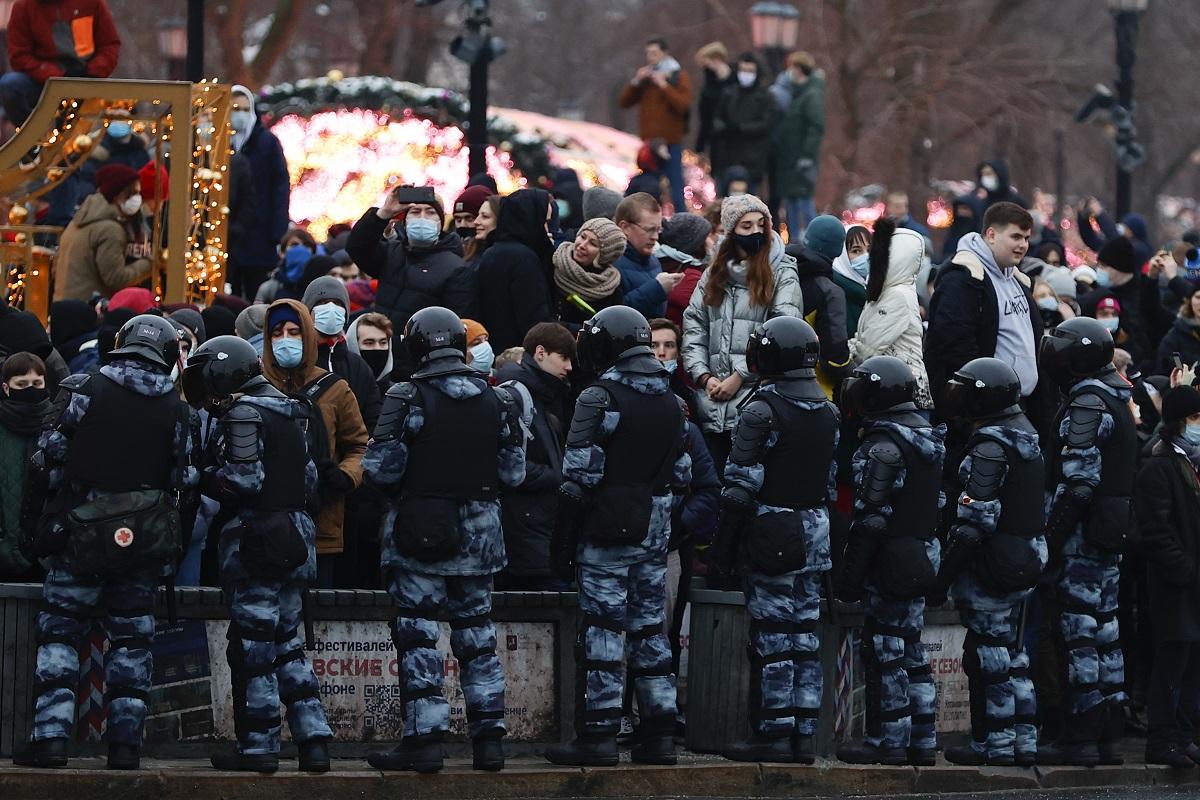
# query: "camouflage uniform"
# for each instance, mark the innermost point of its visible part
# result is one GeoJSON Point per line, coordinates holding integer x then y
{"type": "Point", "coordinates": [72, 600]}
{"type": "Point", "coordinates": [1088, 583]}
{"type": "Point", "coordinates": [992, 620]}
{"type": "Point", "coordinates": [622, 590]}
{"type": "Point", "coordinates": [460, 586]}
{"type": "Point", "coordinates": [901, 709]}
{"type": "Point", "coordinates": [788, 697]}
{"type": "Point", "coordinates": [265, 650]}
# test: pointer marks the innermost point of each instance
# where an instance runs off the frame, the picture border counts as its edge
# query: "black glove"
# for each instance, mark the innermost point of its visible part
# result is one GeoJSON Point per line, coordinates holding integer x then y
{"type": "Point", "coordinates": [565, 541]}
{"type": "Point", "coordinates": [335, 481]}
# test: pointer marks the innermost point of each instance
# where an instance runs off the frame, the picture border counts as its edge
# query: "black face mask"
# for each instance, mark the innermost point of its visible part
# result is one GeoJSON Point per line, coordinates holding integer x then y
{"type": "Point", "coordinates": [376, 359]}
{"type": "Point", "coordinates": [30, 394]}
{"type": "Point", "coordinates": [750, 243]}
{"type": "Point", "coordinates": [465, 233]}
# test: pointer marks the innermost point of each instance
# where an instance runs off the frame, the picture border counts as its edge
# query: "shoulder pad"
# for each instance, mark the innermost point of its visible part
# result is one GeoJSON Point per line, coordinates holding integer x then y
{"type": "Point", "coordinates": [406, 391]}
{"type": "Point", "coordinates": [1085, 413]}
{"type": "Point", "coordinates": [588, 417]}
{"type": "Point", "coordinates": [242, 423]}
{"type": "Point", "coordinates": [243, 412]}
{"type": "Point", "coordinates": [395, 408]}
{"type": "Point", "coordinates": [80, 383]}
{"type": "Point", "coordinates": [988, 465]}
{"type": "Point", "coordinates": [884, 462]}
{"type": "Point", "coordinates": [751, 434]}
{"type": "Point", "coordinates": [595, 396]}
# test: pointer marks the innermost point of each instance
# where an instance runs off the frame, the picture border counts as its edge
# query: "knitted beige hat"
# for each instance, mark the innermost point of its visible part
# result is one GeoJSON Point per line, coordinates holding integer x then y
{"type": "Point", "coordinates": [737, 206]}
{"type": "Point", "coordinates": [612, 240]}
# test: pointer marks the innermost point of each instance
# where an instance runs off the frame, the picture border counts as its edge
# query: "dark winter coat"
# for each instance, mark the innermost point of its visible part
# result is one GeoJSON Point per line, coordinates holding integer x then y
{"type": "Point", "coordinates": [824, 309]}
{"type": "Point", "coordinates": [1167, 509]}
{"type": "Point", "coordinates": [1004, 193]}
{"type": "Point", "coordinates": [694, 516]}
{"type": "Point", "coordinates": [260, 221]}
{"type": "Point", "coordinates": [131, 153]}
{"type": "Point", "coordinates": [638, 283]}
{"type": "Point", "coordinates": [340, 361]}
{"type": "Point", "coordinates": [968, 218]}
{"type": "Point", "coordinates": [410, 278]}
{"type": "Point", "coordinates": [710, 97]}
{"type": "Point", "coordinates": [514, 274]}
{"type": "Point", "coordinates": [742, 128]}
{"type": "Point", "coordinates": [797, 137]}
{"type": "Point", "coordinates": [529, 510]}
{"type": "Point", "coordinates": [1183, 338]}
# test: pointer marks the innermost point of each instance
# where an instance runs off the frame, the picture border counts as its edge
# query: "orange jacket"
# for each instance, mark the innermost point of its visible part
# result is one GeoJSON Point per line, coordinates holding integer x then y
{"type": "Point", "coordinates": [662, 112]}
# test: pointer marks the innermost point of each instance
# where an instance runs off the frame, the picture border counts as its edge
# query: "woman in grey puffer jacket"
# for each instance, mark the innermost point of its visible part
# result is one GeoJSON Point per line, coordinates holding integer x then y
{"type": "Point", "coordinates": [750, 281]}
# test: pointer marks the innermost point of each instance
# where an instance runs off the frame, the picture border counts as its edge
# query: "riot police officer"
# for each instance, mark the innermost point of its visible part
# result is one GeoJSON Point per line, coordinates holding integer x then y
{"type": "Point", "coordinates": [115, 460]}
{"type": "Point", "coordinates": [995, 555]}
{"type": "Point", "coordinates": [1091, 467]}
{"type": "Point", "coordinates": [775, 527]}
{"type": "Point", "coordinates": [444, 443]}
{"type": "Point", "coordinates": [259, 469]}
{"type": "Point", "coordinates": [891, 560]}
{"type": "Point", "coordinates": [626, 449]}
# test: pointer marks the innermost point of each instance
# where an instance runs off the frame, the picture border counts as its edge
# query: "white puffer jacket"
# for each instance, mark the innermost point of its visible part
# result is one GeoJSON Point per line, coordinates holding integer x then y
{"type": "Point", "coordinates": [891, 325]}
{"type": "Point", "coordinates": [715, 337]}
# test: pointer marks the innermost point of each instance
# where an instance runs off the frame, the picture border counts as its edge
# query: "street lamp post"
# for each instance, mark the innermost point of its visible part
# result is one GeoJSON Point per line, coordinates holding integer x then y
{"type": "Point", "coordinates": [774, 29]}
{"type": "Point", "coordinates": [195, 41]}
{"type": "Point", "coordinates": [1125, 15]}
{"type": "Point", "coordinates": [477, 47]}
{"type": "Point", "coordinates": [173, 46]}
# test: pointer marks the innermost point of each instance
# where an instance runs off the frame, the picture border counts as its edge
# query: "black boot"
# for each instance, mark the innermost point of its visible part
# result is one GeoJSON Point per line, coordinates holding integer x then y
{"type": "Point", "coordinates": [314, 755]}
{"type": "Point", "coordinates": [921, 756]}
{"type": "Point", "coordinates": [585, 751]}
{"type": "Point", "coordinates": [804, 748]}
{"type": "Point", "coordinates": [865, 753]}
{"type": "Point", "coordinates": [489, 752]}
{"type": "Point", "coordinates": [654, 749]}
{"type": "Point", "coordinates": [1076, 746]}
{"type": "Point", "coordinates": [1111, 732]}
{"type": "Point", "coordinates": [966, 756]}
{"type": "Point", "coordinates": [1193, 751]}
{"type": "Point", "coordinates": [234, 760]}
{"type": "Point", "coordinates": [1169, 754]}
{"type": "Point", "coordinates": [124, 756]}
{"type": "Point", "coordinates": [421, 754]}
{"type": "Point", "coordinates": [43, 753]}
{"type": "Point", "coordinates": [758, 748]}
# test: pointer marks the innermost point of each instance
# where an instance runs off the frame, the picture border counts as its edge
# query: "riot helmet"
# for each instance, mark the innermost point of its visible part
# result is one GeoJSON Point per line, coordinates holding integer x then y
{"type": "Point", "coordinates": [983, 389]}
{"type": "Point", "coordinates": [1076, 349]}
{"type": "Point", "coordinates": [783, 347]}
{"type": "Point", "coordinates": [218, 369]}
{"type": "Point", "coordinates": [878, 385]}
{"type": "Point", "coordinates": [151, 338]}
{"type": "Point", "coordinates": [435, 332]}
{"type": "Point", "coordinates": [614, 334]}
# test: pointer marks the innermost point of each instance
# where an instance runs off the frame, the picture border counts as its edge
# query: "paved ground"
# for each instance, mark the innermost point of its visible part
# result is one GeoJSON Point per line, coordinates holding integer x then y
{"type": "Point", "coordinates": [528, 778]}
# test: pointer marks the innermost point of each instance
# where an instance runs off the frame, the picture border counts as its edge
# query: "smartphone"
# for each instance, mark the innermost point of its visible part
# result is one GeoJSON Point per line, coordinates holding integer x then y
{"type": "Point", "coordinates": [1178, 363]}
{"type": "Point", "coordinates": [415, 194]}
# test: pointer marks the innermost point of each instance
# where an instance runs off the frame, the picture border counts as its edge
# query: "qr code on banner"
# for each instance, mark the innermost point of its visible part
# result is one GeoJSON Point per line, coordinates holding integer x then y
{"type": "Point", "coordinates": [381, 705]}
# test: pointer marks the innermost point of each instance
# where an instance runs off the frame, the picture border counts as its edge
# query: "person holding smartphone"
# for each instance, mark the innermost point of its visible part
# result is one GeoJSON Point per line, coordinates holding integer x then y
{"type": "Point", "coordinates": [421, 267]}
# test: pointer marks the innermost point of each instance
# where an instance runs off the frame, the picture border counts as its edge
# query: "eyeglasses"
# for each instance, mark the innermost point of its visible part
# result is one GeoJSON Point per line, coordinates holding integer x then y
{"type": "Point", "coordinates": [651, 230]}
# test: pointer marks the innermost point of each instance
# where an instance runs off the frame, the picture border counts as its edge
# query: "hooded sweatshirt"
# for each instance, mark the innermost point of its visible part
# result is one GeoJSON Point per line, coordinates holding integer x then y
{"type": "Point", "coordinates": [382, 377]}
{"type": "Point", "coordinates": [339, 412]}
{"type": "Point", "coordinates": [515, 272]}
{"type": "Point", "coordinates": [1015, 344]}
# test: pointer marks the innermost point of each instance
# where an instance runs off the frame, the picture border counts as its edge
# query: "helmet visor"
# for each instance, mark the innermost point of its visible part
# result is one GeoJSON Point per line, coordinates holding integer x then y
{"type": "Point", "coordinates": [955, 400]}
{"type": "Point", "coordinates": [194, 389]}
{"type": "Point", "coordinates": [854, 395]}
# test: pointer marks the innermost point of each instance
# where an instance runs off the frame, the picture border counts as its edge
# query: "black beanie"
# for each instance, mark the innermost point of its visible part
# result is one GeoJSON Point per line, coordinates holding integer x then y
{"type": "Point", "coordinates": [69, 319]}
{"type": "Point", "coordinates": [218, 321]}
{"type": "Point", "coordinates": [1180, 403]}
{"type": "Point", "coordinates": [21, 331]}
{"type": "Point", "coordinates": [1118, 254]}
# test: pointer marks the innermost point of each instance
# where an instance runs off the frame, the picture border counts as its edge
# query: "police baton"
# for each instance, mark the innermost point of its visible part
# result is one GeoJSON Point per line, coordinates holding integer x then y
{"type": "Point", "coordinates": [835, 615]}
{"type": "Point", "coordinates": [310, 637]}
{"type": "Point", "coordinates": [1023, 616]}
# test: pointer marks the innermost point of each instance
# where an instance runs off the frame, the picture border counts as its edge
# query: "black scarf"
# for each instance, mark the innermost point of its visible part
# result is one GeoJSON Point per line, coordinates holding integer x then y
{"type": "Point", "coordinates": [24, 419]}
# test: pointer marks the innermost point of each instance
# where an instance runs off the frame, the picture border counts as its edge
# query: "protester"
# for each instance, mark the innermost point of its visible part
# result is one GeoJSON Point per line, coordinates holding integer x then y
{"type": "Point", "coordinates": [585, 276]}
{"type": "Point", "coordinates": [796, 144]}
{"type": "Point", "coordinates": [713, 60]}
{"type": "Point", "coordinates": [850, 271]}
{"type": "Point", "coordinates": [515, 272]}
{"type": "Point", "coordinates": [73, 328]}
{"type": "Point", "coordinates": [662, 92]}
{"type": "Point", "coordinates": [750, 280]}
{"type": "Point", "coordinates": [327, 301]}
{"type": "Point", "coordinates": [824, 303]}
{"type": "Point", "coordinates": [600, 202]}
{"type": "Point", "coordinates": [896, 209]}
{"type": "Point", "coordinates": [992, 178]}
{"type": "Point", "coordinates": [742, 123]}
{"type": "Point", "coordinates": [643, 283]}
{"type": "Point", "coordinates": [1183, 338]}
{"type": "Point", "coordinates": [967, 216]}
{"type": "Point", "coordinates": [370, 336]}
{"type": "Point", "coordinates": [24, 405]}
{"type": "Point", "coordinates": [466, 209]}
{"type": "Point", "coordinates": [683, 248]}
{"type": "Point", "coordinates": [482, 227]}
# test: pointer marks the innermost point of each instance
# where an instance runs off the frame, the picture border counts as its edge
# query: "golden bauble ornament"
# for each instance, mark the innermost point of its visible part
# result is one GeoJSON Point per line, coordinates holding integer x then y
{"type": "Point", "coordinates": [17, 215]}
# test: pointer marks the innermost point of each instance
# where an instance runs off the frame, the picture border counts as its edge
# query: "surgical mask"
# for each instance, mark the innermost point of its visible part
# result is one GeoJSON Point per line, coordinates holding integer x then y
{"type": "Point", "coordinates": [671, 365]}
{"type": "Point", "coordinates": [30, 394]}
{"type": "Point", "coordinates": [288, 352]}
{"type": "Point", "coordinates": [119, 130]}
{"type": "Point", "coordinates": [294, 260]}
{"type": "Point", "coordinates": [421, 232]}
{"type": "Point", "coordinates": [1191, 433]}
{"type": "Point", "coordinates": [1111, 323]}
{"type": "Point", "coordinates": [1047, 304]}
{"type": "Point", "coordinates": [242, 121]}
{"type": "Point", "coordinates": [750, 243]}
{"type": "Point", "coordinates": [990, 182]}
{"type": "Point", "coordinates": [1103, 280]}
{"type": "Point", "coordinates": [564, 208]}
{"type": "Point", "coordinates": [861, 265]}
{"type": "Point", "coordinates": [482, 357]}
{"type": "Point", "coordinates": [131, 205]}
{"type": "Point", "coordinates": [329, 319]}
{"type": "Point", "coordinates": [746, 79]}
{"type": "Point", "coordinates": [376, 359]}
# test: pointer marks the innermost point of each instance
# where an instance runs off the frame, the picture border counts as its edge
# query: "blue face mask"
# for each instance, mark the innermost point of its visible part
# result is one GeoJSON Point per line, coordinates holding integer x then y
{"type": "Point", "coordinates": [1111, 323]}
{"type": "Point", "coordinates": [1191, 433]}
{"type": "Point", "coordinates": [1047, 304]}
{"type": "Point", "coordinates": [564, 208]}
{"type": "Point", "coordinates": [1102, 279]}
{"type": "Point", "coordinates": [861, 265]}
{"type": "Point", "coordinates": [482, 357]}
{"type": "Point", "coordinates": [329, 319]}
{"type": "Point", "coordinates": [294, 260]}
{"type": "Point", "coordinates": [119, 130]}
{"type": "Point", "coordinates": [421, 232]}
{"type": "Point", "coordinates": [671, 365]}
{"type": "Point", "coordinates": [288, 352]}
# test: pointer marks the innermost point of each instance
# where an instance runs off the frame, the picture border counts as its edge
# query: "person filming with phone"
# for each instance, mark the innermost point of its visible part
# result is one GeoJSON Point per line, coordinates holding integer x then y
{"type": "Point", "coordinates": [421, 266]}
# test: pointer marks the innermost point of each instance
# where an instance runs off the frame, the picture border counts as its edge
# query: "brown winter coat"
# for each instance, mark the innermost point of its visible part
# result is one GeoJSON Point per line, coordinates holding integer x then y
{"type": "Point", "coordinates": [339, 411]}
{"type": "Point", "coordinates": [91, 254]}
{"type": "Point", "coordinates": [662, 112]}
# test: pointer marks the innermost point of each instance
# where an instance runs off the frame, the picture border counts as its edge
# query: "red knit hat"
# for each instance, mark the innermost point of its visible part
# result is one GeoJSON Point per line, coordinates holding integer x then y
{"type": "Point", "coordinates": [112, 179]}
{"type": "Point", "coordinates": [135, 298]}
{"type": "Point", "coordinates": [146, 176]}
{"type": "Point", "coordinates": [1109, 303]}
{"type": "Point", "coordinates": [472, 199]}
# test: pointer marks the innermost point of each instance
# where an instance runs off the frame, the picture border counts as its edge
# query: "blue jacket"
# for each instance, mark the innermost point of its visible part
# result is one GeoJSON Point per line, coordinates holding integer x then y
{"type": "Point", "coordinates": [638, 285]}
{"type": "Point", "coordinates": [260, 222]}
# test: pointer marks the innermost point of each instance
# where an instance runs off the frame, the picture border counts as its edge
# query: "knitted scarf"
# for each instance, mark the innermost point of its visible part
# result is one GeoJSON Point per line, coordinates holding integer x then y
{"type": "Point", "coordinates": [574, 279]}
{"type": "Point", "coordinates": [24, 419]}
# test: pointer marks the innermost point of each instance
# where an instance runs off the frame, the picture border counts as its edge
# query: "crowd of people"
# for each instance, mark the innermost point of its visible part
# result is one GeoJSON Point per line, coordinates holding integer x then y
{"type": "Point", "coordinates": [560, 389]}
